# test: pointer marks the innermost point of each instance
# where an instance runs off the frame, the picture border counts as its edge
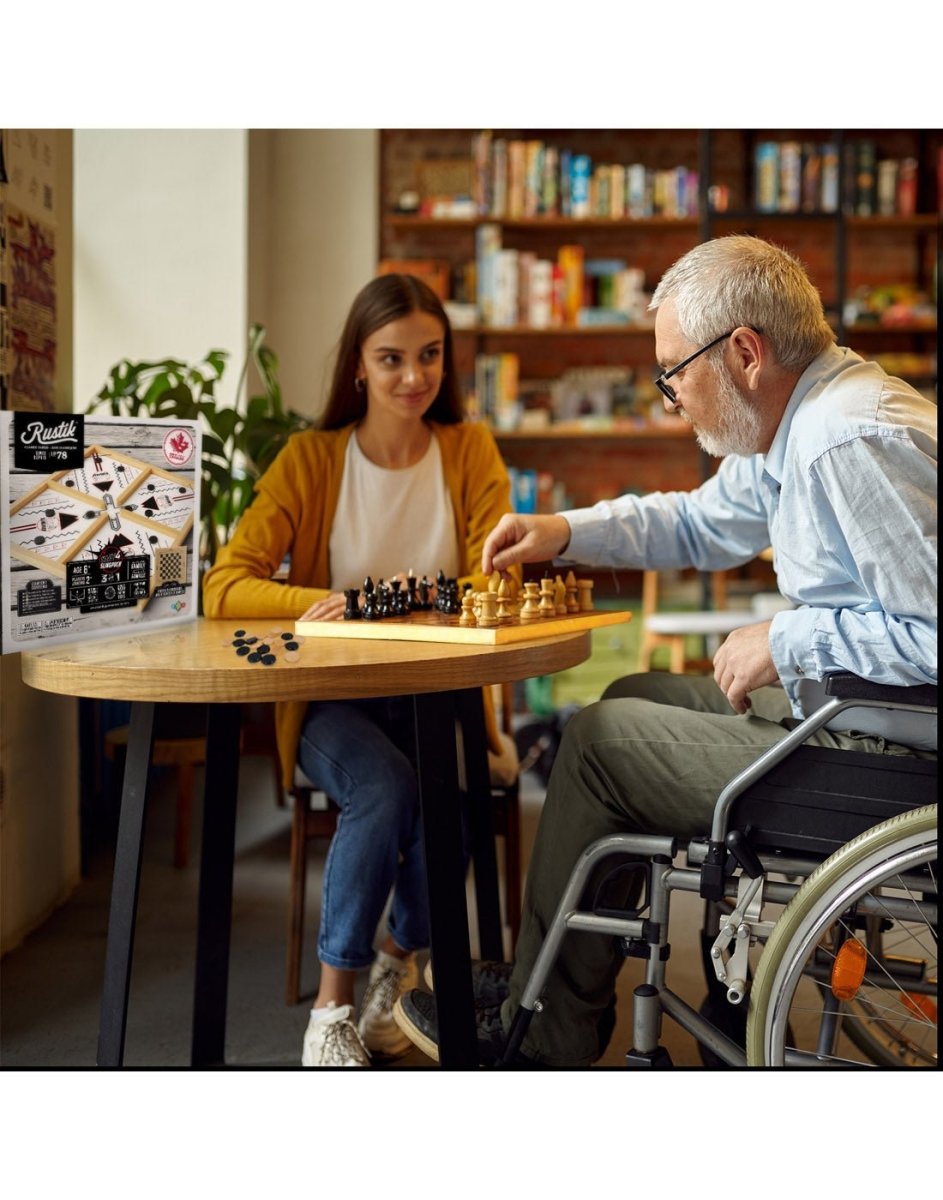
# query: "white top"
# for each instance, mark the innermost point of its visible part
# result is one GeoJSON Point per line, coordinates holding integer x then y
{"type": "Point", "coordinates": [390, 522]}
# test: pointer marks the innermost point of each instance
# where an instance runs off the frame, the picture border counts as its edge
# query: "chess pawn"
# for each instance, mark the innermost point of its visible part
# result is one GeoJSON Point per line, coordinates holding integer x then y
{"type": "Point", "coordinates": [572, 598]}
{"type": "Point", "coordinates": [559, 597]}
{"type": "Point", "coordinates": [585, 588]}
{"type": "Point", "coordinates": [504, 601]}
{"type": "Point", "coordinates": [468, 610]}
{"type": "Point", "coordinates": [489, 605]}
{"type": "Point", "coordinates": [546, 606]}
{"type": "Point", "coordinates": [531, 606]}
{"type": "Point", "coordinates": [514, 600]}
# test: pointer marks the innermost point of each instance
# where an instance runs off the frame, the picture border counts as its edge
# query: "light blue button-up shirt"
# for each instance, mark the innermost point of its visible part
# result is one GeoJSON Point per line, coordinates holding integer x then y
{"type": "Point", "coordinates": [846, 497]}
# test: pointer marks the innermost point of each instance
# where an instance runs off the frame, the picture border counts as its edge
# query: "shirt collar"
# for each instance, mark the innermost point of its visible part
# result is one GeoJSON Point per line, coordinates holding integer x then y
{"type": "Point", "coordinates": [815, 374]}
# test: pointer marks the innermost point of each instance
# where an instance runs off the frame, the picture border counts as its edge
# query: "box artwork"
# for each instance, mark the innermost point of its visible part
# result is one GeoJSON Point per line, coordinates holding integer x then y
{"type": "Point", "coordinates": [97, 523]}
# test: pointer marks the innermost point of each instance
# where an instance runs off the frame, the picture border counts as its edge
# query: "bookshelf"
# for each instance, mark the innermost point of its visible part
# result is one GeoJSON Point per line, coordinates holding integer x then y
{"type": "Point", "coordinates": [872, 255]}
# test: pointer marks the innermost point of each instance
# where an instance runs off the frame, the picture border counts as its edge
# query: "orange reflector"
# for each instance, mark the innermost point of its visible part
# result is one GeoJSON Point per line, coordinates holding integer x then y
{"type": "Point", "coordinates": [848, 970]}
{"type": "Point", "coordinates": [920, 1005]}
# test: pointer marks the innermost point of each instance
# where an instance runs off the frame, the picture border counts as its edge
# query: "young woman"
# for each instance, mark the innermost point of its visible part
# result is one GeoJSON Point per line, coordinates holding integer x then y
{"type": "Point", "coordinates": [393, 480]}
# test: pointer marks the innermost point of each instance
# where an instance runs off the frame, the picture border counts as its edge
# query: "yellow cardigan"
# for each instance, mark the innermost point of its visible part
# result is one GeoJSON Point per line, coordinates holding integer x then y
{"type": "Point", "coordinates": [293, 512]}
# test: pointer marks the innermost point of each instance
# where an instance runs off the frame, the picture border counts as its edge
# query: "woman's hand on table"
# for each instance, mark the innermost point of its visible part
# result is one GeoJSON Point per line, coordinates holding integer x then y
{"type": "Point", "coordinates": [329, 608]}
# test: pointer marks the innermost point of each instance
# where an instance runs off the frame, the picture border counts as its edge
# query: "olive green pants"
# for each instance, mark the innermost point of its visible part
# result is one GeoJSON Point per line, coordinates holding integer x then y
{"type": "Point", "coordinates": [651, 756]}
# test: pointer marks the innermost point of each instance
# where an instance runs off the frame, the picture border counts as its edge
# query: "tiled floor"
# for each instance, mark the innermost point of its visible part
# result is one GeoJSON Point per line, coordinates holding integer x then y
{"type": "Point", "coordinates": [50, 986]}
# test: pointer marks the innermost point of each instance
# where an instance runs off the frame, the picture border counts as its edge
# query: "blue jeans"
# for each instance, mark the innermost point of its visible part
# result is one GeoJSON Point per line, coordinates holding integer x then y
{"type": "Point", "coordinates": [362, 753]}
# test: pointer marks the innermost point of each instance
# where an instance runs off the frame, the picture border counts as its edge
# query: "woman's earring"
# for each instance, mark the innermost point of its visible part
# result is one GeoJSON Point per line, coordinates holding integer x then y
{"type": "Point", "coordinates": [360, 383]}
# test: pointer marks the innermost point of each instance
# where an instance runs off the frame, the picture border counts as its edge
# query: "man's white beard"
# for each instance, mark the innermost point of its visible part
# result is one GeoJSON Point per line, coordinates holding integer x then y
{"type": "Point", "coordinates": [737, 425]}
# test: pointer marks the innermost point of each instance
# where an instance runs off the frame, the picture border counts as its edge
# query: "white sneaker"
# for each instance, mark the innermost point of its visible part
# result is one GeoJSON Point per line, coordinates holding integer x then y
{"type": "Point", "coordinates": [332, 1040]}
{"type": "Point", "coordinates": [389, 978]}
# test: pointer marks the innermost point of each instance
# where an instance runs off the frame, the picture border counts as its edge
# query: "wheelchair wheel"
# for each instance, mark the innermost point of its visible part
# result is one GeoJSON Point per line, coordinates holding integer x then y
{"type": "Point", "coordinates": [879, 890]}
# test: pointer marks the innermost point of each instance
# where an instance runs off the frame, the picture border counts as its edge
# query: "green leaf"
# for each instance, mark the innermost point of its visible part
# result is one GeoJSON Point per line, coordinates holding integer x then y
{"type": "Point", "coordinates": [156, 388]}
{"type": "Point", "coordinates": [217, 359]}
{"type": "Point", "coordinates": [223, 421]}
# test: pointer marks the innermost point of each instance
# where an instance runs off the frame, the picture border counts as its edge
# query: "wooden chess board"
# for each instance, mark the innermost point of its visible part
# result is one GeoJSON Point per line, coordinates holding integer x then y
{"type": "Point", "coordinates": [436, 627]}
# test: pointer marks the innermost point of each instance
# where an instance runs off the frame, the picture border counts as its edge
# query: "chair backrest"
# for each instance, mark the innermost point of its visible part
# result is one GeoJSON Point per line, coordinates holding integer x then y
{"type": "Point", "coordinates": [652, 586]}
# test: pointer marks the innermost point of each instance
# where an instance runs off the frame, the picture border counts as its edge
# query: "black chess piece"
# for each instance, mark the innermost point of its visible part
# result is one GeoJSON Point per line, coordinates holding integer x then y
{"type": "Point", "coordinates": [352, 609]}
{"type": "Point", "coordinates": [384, 596]}
{"type": "Point", "coordinates": [425, 604]}
{"type": "Point", "coordinates": [453, 604]}
{"type": "Point", "coordinates": [412, 593]}
{"type": "Point", "coordinates": [371, 608]}
{"type": "Point", "coordinates": [400, 599]}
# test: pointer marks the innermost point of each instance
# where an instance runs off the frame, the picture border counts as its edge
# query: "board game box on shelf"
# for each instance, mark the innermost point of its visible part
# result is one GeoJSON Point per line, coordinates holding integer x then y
{"type": "Point", "coordinates": [98, 518]}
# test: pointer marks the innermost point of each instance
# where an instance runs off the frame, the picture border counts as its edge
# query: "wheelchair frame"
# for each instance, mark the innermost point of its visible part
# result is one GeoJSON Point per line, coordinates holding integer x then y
{"type": "Point", "coordinates": [857, 886]}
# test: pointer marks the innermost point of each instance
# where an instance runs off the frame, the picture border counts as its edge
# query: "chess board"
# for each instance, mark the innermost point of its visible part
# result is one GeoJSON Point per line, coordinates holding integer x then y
{"type": "Point", "coordinates": [436, 627]}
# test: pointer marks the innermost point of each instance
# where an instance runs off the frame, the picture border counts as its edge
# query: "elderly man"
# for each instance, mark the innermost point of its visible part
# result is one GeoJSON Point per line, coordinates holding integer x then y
{"type": "Point", "coordinates": [825, 458]}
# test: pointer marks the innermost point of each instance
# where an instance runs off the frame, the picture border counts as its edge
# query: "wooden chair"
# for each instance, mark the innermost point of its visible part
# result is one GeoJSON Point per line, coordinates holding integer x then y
{"type": "Point", "coordinates": [672, 629]}
{"type": "Point", "coordinates": [185, 754]}
{"type": "Point", "coordinates": [314, 816]}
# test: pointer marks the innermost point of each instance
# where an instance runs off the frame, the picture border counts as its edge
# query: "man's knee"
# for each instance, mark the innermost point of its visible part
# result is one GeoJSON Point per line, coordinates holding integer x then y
{"type": "Point", "coordinates": [697, 692]}
{"type": "Point", "coordinates": [659, 686]}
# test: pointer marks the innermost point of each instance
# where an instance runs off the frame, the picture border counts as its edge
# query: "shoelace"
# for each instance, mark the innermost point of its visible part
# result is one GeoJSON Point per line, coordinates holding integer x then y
{"type": "Point", "coordinates": [496, 974]}
{"type": "Point", "coordinates": [488, 1020]}
{"type": "Point", "coordinates": [383, 990]}
{"type": "Point", "coordinates": [341, 1043]}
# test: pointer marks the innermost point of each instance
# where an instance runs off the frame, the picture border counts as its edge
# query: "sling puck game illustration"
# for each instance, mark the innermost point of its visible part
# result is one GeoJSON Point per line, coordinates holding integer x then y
{"type": "Point", "coordinates": [98, 519]}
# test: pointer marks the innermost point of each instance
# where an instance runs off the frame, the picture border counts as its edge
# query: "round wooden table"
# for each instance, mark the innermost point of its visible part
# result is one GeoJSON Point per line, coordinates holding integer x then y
{"type": "Point", "coordinates": [197, 663]}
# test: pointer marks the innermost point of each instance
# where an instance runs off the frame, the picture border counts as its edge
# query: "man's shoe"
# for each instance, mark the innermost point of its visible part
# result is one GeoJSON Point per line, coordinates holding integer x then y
{"type": "Point", "coordinates": [389, 978]}
{"type": "Point", "coordinates": [332, 1040]}
{"type": "Point", "coordinates": [491, 981]}
{"type": "Point", "coordinates": [415, 1013]}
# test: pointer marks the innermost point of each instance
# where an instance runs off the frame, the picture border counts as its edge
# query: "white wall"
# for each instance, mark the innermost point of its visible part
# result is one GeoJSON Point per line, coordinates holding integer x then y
{"type": "Point", "coordinates": [181, 238]}
{"type": "Point", "coordinates": [39, 767]}
{"type": "Point", "coordinates": [160, 248]}
{"type": "Point", "coordinates": [313, 245]}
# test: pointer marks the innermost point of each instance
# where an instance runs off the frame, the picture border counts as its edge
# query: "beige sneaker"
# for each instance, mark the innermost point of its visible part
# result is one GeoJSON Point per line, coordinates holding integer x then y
{"type": "Point", "coordinates": [389, 978]}
{"type": "Point", "coordinates": [332, 1040]}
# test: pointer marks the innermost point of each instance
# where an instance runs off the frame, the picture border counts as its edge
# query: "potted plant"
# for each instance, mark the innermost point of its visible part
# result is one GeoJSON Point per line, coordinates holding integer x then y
{"type": "Point", "coordinates": [239, 442]}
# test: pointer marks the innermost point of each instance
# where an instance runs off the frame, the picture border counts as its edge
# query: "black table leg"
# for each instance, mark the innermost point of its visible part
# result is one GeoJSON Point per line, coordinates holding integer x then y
{"type": "Point", "coordinates": [214, 918]}
{"type": "Point", "coordinates": [445, 877]}
{"type": "Point", "coordinates": [478, 781]}
{"type": "Point", "coordinates": [124, 887]}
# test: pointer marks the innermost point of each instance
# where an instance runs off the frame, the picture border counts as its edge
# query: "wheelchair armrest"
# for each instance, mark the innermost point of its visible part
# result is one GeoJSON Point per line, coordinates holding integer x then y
{"type": "Point", "coordinates": [846, 686]}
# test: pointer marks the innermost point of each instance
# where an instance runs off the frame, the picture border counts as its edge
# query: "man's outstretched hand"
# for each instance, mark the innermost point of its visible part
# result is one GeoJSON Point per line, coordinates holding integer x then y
{"type": "Point", "coordinates": [520, 538]}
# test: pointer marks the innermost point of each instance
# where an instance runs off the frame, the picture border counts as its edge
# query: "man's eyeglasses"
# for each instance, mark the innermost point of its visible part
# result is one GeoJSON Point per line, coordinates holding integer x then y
{"type": "Point", "coordinates": [661, 381]}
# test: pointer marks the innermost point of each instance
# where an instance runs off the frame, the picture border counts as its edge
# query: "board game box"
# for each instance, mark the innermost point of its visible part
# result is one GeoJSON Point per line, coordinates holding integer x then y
{"type": "Point", "coordinates": [98, 517]}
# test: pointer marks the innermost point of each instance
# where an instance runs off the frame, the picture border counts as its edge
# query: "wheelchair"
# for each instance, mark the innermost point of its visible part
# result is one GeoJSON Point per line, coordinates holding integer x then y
{"type": "Point", "coordinates": [820, 888]}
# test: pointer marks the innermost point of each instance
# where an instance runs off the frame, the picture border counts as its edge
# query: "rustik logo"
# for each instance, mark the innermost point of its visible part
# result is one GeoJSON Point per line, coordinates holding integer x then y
{"type": "Point", "coordinates": [36, 434]}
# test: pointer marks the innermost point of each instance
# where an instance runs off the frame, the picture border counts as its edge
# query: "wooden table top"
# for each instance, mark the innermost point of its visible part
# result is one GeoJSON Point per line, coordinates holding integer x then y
{"type": "Point", "coordinates": [198, 663]}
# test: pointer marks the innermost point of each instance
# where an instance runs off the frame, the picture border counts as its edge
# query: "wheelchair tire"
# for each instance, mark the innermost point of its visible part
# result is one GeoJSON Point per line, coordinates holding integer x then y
{"type": "Point", "coordinates": [821, 914]}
